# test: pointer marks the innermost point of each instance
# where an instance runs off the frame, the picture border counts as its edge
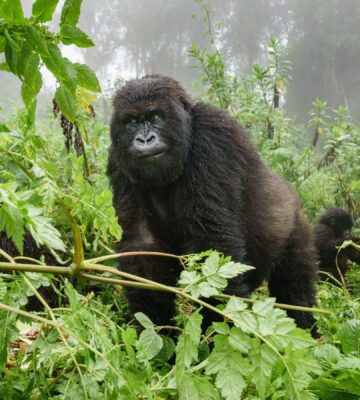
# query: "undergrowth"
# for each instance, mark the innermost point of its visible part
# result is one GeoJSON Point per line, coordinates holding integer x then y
{"type": "Point", "coordinates": [53, 190]}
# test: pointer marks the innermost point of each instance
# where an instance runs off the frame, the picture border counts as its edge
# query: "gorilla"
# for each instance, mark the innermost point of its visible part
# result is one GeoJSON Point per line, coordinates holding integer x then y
{"type": "Point", "coordinates": [332, 229]}
{"type": "Point", "coordinates": [186, 178]}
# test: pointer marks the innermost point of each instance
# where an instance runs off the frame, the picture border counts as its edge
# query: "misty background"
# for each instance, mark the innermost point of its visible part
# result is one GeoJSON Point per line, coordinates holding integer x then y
{"type": "Point", "coordinates": [135, 37]}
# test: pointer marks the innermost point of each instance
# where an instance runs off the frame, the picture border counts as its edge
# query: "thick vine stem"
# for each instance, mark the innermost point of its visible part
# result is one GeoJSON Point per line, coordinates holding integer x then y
{"type": "Point", "coordinates": [129, 279]}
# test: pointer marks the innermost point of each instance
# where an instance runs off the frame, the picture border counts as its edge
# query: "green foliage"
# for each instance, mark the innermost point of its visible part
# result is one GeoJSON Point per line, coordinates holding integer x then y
{"type": "Point", "coordinates": [27, 43]}
{"type": "Point", "coordinates": [87, 348]}
{"type": "Point", "coordinates": [47, 180]}
{"type": "Point", "coordinates": [210, 277]}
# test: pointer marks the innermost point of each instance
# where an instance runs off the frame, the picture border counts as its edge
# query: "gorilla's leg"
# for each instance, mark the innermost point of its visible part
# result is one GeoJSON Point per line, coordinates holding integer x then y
{"type": "Point", "coordinates": [293, 279]}
{"type": "Point", "coordinates": [158, 306]}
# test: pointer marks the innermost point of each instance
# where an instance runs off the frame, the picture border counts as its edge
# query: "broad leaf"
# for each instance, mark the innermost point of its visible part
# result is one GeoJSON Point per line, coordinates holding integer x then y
{"type": "Point", "coordinates": [211, 264]}
{"type": "Point", "coordinates": [144, 320]}
{"type": "Point", "coordinates": [12, 59]}
{"type": "Point", "coordinates": [71, 12]}
{"type": "Point", "coordinates": [86, 78]}
{"type": "Point", "coordinates": [2, 44]}
{"type": "Point", "coordinates": [231, 384]}
{"type": "Point", "coordinates": [35, 39]}
{"type": "Point", "coordinates": [187, 347]}
{"type": "Point", "coordinates": [231, 269]}
{"type": "Point", "coordinates": [150, 342]}
{"type": "Point", "coordinates": [73, 35]}
{"type": "Point", "coordinates": [12, 11]}
{"type": "Point", "coordinates": [66, 101]}
{"type": "Point", "coordinates": [58, 65]}
{"type": "Point", "coordinates": [349, 335]}
{"type": "Point", "coordinates": [43, 10]}
{"type": "Point", "coordinates": [32, 80]}
{"type": "Point", "coordinates": [11, 40]}
{"type": "Point", "coordinates": [24, 58]}
{"type": "Point", "coordinates": [263, 360]}
{"type": "Point", "coordinates": [195, 387]}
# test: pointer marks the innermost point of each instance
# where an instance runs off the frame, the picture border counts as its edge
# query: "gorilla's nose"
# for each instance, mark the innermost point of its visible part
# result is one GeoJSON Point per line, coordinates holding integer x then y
{"type": "Point", "coordinates": [142, 140]}
{"type": "Point", "coordinates": [147, 145]}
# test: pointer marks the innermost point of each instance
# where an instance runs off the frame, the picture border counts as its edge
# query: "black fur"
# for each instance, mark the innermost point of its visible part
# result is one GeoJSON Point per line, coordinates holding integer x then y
{"type": "Point", "coordinates": [333, 228]}
{"type": "Point", "coordinates": [209, 190]}
{"type": "Point", "coordinates": [32, 250]}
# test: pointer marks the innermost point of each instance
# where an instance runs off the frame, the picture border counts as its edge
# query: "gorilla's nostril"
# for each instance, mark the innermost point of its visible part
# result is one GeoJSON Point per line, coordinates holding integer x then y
{"type": "Point", "coordinates": [140, 140]}
{"type": "Point", "coordinates": [150, 139]}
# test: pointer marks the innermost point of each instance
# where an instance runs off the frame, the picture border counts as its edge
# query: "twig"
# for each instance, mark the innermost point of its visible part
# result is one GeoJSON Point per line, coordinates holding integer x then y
{"type": "Point", "coordinates": [131, 254]}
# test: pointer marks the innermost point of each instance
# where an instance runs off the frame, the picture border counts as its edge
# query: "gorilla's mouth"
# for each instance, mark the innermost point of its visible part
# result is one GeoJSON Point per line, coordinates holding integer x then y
{"type": "Point", "coordinates": [148, 152]}
{"type": "Point", "coordinates": [151, 155]}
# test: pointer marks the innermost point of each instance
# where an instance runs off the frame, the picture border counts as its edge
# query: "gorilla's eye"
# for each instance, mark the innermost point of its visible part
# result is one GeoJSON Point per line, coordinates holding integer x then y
{"type": "Point", "coordinates": [130, 119]}
{"type": "Point", "coordinates": [347, 234]}
{"type": "Point", "coordinates": [155, 117]}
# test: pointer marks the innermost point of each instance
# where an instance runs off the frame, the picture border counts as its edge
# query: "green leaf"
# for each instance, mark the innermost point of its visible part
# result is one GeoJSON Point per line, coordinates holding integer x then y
{"type": "Point", "coordinates": [11, 41]}
{"type": "Point", "coordinates": [167, 350]}
{"type": "Point", "coordinates": [231, 384]}
{"type": "Point", "coordinates": [231, 269]}
{"type": "Point", "coordinates": [2, 44]}
{"type": "Point", "coordinates": [150, 343]}
{"type": "Point", "coordinates": [349, 335]}
{"type": "Point", "coordinates": [188, 277]}
{"type": "Point", "coordinates": [217, 281]}
{"type": "Point", "coordinates": [187, 346]}
{"type": "Point", "coordinates": [204, 289]}
{"type": "Point", "coordinates": [71, 12]}
{"type": "Point", "coordinates": [24, 58]}
{"type": "Point", "coordinates": [340, 382]}
{"type": "Point", "coordinates": [35, 39]}
{"type": "Point", "coordinates": [32, 80]}
{"type": "Point", "coordinates": [223, 357]}
{"type": "Point", "coordinates": [86, 78]}
{"type": "Point", "coordinates": [235, 305]}
{"type": "Point", "coordinates": [144, 320]}
{"type": "Point", "coordinates": [194, 387]}
{"type": "Point", "coordinates": [5, 67]}
{"type": "Point", "coordinates": [43, 10]}
{"type": "Point", "coordinates": [221, 327]}
{"type": "Point", "coordinates": [3, 289]}
{"type": "Point", "coordinates": [264, 307]}
{"type": "Point", "coordinates": [43, 232]}
{"type": "Point", "coordinates": [348, 363]}
{"type": "Point", "coordinates": [11, 220]}
{"type": "Point", "coordinates": [4, 128]}
{"type": "Point", "coordinates": [263, 360]}
{"type": "Point", "coordinates": [73, 35]}
{"type": "Point", "coordinates": [12, 11]}
{"type": "Point", "coordinates": [66, 101]}
{"type": "Point", "coordinates": [327, 354]}
{"type": "Point", "coordinates": [59, 66]}
{"type": "Point", "coordinates": [12, 59]}
{"type": "Point", "coordinates": [211, 264]}
{"type": "Point", "coordinates": [238, 340]}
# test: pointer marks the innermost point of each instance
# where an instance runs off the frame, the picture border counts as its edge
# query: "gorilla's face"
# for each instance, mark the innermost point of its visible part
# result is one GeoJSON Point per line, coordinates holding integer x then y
{"type": "Point", "coordinates": [150, 132]}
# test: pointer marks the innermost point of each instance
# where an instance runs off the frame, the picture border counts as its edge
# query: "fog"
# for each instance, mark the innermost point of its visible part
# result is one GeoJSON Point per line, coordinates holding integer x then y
{"type": "Point", "coordinates": [135, 37]}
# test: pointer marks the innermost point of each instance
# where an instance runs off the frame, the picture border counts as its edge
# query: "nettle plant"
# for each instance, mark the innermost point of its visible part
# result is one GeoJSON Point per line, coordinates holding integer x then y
{"type": "Point", "coordinates": [27, 45]}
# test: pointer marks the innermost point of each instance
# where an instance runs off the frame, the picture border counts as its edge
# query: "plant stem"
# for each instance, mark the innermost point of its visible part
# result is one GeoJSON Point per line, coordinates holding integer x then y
{"type": "Point", "coordinates": [131, 280]}
{"type": "Point", "coordinates": [131, 254]}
